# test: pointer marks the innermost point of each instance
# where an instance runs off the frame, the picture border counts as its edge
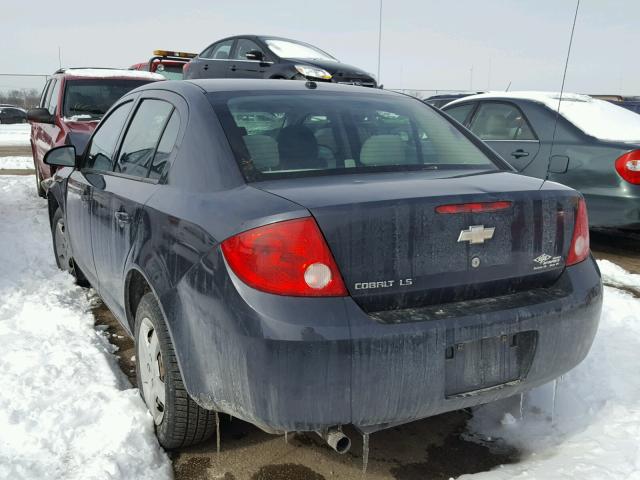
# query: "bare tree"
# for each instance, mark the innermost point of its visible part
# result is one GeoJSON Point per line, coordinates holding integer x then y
{"type": "Point", "coordinates": [25, 97]}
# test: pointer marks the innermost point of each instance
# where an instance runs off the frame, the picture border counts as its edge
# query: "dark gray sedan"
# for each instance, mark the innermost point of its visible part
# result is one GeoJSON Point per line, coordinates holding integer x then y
{"type": "Point", "coordinates": [596, 148]}
{"type": "Point", "coordinates": [306, 255]}
{"type": "Point", "coordinates": [12, 115]}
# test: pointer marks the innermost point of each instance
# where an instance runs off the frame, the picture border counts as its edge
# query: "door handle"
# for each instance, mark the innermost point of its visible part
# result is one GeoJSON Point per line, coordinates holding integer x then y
{"type": "Point", "coordinates": [122, 218]}
{"type": "Point", "coordinates": [519, 153]}
{"type": "Point", "coordinates": [233, 68]}
{"type": "Point", "coordinates": [206, 67]}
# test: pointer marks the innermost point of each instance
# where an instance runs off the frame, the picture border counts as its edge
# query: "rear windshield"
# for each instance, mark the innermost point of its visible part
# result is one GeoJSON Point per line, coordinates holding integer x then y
{"type": "Point", "coordinates": [90, 99]}
{"type": "Point", "coordinates": [285, 134]}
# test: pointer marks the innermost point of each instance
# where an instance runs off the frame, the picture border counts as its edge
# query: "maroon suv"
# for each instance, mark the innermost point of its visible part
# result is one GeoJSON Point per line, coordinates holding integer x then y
{"type": "Point", "coordinates": [72, 103]}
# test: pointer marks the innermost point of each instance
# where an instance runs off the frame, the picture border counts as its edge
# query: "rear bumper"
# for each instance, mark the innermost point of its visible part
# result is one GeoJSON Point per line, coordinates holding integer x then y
{"type": "Point", "coordinates": [302, 364]}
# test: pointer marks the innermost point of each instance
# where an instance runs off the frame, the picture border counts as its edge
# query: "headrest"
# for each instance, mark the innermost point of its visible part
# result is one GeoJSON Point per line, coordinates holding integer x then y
{"type": "Point", "coordinates": [263, 150]}
{"type": "Point", "coordinates": [383, 150]}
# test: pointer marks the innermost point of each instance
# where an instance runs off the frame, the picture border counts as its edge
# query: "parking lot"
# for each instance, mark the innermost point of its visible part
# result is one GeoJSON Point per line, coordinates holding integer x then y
{"type": "Point", "coordinates": [441, 447]}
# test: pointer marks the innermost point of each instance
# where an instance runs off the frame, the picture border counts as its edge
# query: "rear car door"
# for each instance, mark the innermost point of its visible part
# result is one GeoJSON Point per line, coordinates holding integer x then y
{"type": "Point", "coordinates": [503, 127]}
{"type": "Point", "coordinates": [82, 184]}
{"type": "Point", "coordinates": [215, 61]}
{"type": "Point", "coordinates": [141, 160]}
{"type": "Point", "coordinates": [241, 67]}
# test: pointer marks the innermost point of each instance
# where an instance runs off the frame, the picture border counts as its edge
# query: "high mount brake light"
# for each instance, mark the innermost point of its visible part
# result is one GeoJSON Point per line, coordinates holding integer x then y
{"type": "Point", "coordinates": [579, 249]}
{"type": "Point", "coordinates": [477, 207]}
{"type": "Point", "coordinates": [628, 167]}
{"type": "Point", "coordinates": [285, 258]}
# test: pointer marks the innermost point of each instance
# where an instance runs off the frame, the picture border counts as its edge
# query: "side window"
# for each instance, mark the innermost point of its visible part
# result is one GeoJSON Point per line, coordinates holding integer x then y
{"type": "Point", "coordinates": [103, 143]}
{"type": "Point", "coordinates": [460, 113]}
{"type": "Point", "coordinates": [501, 121]}
{"type": "Point", "coordinates": [43, 96]}
{"type": "Point", "coordinates": [47, 98]}
{"type": "Point", "coordinates": [55, 96]}
{"type": "Point", "coordinates": [166, 146]}
{"type": "Point", "coordinates": [243, 46]}
{"type": "Point", "coordinates": [142, 137]}
{"type": "Point", "coordinates": [219, 51]}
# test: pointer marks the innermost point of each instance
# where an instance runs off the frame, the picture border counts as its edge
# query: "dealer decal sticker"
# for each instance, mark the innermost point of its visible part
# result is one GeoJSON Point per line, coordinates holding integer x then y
{"type": "Point", "coordinates": [546, 261]}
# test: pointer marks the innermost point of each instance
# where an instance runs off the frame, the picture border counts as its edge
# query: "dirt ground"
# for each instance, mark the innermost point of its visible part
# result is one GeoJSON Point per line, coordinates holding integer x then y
{"type": "Point", "coordinates": [17, 151]}
{"type": "Point", "coordinates": [432, 449]}
{"type": "Point", "coordinates": [9, 151]}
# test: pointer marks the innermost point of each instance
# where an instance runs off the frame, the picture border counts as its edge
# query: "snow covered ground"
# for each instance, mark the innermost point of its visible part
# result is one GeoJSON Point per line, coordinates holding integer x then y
{"type": "Point", "coordinates": [594, 431]}
{"type": "Point", "coordinates": [66, 410]}
{"type": "Point", "coordinates": [616, 275]}
{"type": "Point", "coordinates": [15, 135]}
{"type": "Point", "coordinates": [17, 163]}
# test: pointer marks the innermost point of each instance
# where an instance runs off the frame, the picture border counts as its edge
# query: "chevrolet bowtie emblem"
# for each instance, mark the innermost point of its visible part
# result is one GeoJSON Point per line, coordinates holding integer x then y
{"type": "Point", "coordinates": [476, 234]}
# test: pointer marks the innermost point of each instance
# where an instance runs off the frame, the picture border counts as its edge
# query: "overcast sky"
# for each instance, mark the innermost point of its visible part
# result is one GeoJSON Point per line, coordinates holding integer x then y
{"type": "Point", "coordinates": [426, 44]}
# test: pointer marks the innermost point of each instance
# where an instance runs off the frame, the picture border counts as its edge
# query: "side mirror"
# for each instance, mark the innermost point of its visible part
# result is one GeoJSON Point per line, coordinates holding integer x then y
{"type": "Point", "coordinates": [64, 156]}
{"type": "Point", "coordinates": [254, 55]}
{"type": "Point", "coordinates": [39, 115]}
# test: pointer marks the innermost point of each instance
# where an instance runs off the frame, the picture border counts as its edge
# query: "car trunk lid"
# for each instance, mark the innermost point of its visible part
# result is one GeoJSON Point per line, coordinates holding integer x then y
{"type": "Point", "coordinates": [395, 251]}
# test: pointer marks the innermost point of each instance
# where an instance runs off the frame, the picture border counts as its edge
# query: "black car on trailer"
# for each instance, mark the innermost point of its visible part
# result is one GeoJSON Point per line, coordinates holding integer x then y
{"type": "Point", "coordinates": [255, 56]}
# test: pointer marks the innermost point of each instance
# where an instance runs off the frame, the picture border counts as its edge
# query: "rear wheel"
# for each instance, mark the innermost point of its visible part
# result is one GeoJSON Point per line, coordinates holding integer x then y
{"type": "Point", "coordinates": [179, 421]}
{"type": "Point", "coordinates": [62, 249]}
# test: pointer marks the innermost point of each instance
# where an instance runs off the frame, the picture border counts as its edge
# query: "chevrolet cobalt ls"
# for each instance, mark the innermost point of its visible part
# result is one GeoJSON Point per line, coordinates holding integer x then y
{"type": "Point", "coordinates": [308, 255]}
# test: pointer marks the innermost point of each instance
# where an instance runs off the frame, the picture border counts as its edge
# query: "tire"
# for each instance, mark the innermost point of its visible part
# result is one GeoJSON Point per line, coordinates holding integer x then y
{"type": "Point", "coordinates": [62, 249]}
{"type": "Point", "coordinates": [179, 420]}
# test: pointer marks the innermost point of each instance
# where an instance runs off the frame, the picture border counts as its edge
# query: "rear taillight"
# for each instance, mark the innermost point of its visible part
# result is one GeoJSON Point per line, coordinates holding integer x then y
{"type": "Point", "coordinates": [579, 249]}
{"type": "Point", "coordinates": [285, 258]}
{"type": "Point", "coordinates": [628, 167]}
{"type": "Point", "coordinates": [475, 207]}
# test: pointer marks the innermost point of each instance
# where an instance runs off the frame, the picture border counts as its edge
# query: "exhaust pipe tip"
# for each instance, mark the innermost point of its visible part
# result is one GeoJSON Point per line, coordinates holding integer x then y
{"type": "Point", "coordinates": [337, 440]}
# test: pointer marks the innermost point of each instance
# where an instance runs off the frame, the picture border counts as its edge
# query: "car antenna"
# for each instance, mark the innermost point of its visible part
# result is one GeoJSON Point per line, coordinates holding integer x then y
{"type": "Point", "coordinates": [508, 86]}
{"type": "Point", "coordinates": [564, 76]}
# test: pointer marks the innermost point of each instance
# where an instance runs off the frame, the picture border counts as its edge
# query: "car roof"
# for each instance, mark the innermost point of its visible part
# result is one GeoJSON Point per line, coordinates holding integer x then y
{"type": "Point", "coordinates": [261, 37]}
{"type": "Point", "coordinates": [549, 99]}
{"type": "Point", "coordinates": [108, 73]}
{"type": "Point", "coordinates": [451, 95]}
